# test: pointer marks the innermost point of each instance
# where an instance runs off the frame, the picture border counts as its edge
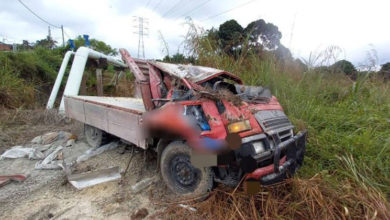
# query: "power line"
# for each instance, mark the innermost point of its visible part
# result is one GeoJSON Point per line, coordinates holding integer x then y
{"type": "Point", "coordinates": [147, 4]}
{"type": "Point", "coordinates": [239, 6]}
{"type": "Point", "coordinates": [194, 9]}
{"type": "Point", "coordinates": [50, 24]}
{"type": "Point", "coordinates": [172, 8]}
{"type": "Point", "coordinates": [20, 1]}
{"type": "Point", "coordinates": [158, 4]}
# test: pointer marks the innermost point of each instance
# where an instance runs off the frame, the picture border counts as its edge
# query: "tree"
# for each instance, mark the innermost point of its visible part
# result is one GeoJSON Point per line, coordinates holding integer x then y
{"type": "Point", "coordinates": [385, 71]}
{"type": "Point", "coordinates": [178, 58]}
{"type": "Point", "coordinates": [344, 66]}
{"type": "Point", "coordinates": [261, 33]}
{"type": "Point", "coordinates": [283, 53]}
{"type": "Point", "coordinates": [95, 45]}
{"type": "Point", "coordinates": [48, 42]}
{"type": "Point", "coordinates": [25, 45]}
{"type": "Point", "coordinates": [230, 36]}
{"type": "Point", "coordinates": [259, 38]}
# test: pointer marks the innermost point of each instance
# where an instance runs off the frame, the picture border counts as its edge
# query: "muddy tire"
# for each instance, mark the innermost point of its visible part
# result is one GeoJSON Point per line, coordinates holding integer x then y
{"type": "Point", "coordinates": [180, 176]}
{"type": "Point", "coordinates": [95, 137]}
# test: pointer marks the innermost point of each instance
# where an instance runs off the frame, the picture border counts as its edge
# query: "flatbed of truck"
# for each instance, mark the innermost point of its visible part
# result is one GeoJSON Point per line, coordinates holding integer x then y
{"type": "Point", "coordinates": [134, 105]}
{"type": "Point", "coordinates": [120, 116]}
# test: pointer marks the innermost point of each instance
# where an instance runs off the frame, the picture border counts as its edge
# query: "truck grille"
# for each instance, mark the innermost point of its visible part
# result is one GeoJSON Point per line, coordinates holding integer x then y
{"type": "Point", "coordinates": [275, 121]}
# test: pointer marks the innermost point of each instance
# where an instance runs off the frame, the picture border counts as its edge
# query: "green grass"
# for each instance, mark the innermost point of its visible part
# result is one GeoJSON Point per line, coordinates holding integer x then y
{"type": "Point", "coordinates": [348, 121]}
{"type": "Point", "coordinates": [347, 157]}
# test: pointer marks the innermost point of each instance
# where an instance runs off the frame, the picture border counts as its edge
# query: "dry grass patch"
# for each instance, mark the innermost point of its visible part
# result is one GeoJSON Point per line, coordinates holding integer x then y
{"type": "Point", "coordinates": [314, 198]}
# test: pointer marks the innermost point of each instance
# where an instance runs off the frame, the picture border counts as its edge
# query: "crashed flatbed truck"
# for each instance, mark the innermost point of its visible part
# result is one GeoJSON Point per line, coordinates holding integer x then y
{"type": "Point", "coordinates": [184, 112]}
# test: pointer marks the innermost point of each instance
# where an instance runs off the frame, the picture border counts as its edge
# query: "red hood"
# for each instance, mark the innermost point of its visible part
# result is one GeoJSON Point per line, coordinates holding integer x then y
{"type": "Point", "coordinates": [246, 112]}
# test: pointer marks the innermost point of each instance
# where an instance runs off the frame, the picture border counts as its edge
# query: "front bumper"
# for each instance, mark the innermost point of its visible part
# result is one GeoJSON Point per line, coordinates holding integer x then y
{"type": "Point", "coordinates": [285, 166]}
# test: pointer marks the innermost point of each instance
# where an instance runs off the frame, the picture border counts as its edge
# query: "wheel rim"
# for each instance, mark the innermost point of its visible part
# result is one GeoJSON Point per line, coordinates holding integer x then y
{"type": "Point", "coordinates": [183, 173]}
{"type": "Point", "coordinates": [92, 134]}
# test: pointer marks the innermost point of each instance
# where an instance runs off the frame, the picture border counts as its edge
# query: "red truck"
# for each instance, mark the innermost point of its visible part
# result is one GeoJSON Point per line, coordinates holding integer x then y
{"type": "Point", "coordinates": [205, 125]}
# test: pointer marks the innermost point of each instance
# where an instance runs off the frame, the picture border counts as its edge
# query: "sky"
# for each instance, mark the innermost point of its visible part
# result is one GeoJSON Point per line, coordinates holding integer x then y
{"type": "Point", "coordinates": [308, 26]}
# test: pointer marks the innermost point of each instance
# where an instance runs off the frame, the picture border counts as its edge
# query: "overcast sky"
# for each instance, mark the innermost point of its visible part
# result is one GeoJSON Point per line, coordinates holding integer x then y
{"type": "Point", "coordinates": [307, 25]}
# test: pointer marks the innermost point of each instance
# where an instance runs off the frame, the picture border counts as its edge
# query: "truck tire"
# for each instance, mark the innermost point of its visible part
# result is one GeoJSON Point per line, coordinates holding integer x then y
{"type": "Point", "coordinates": [95, 137]}
{"type": "Point", "coordinates": [180, 176]}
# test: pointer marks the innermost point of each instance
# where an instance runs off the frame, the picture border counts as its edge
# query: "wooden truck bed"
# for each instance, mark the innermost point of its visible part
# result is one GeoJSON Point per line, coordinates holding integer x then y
{"type": "Point", "coordinates": [119, 116]}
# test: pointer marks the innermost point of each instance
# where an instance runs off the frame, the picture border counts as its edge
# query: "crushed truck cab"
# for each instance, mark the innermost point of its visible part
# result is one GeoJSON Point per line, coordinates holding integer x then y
{"type": "Point", "coordinates": [245, 127]}
{"type": "Point", "coordinates": [204, 124]}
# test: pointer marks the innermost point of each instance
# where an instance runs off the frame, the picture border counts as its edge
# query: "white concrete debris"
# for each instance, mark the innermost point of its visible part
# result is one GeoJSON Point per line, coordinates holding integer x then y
{"type": "Point", "coordinates": [50, 137]}
{"type": "Point", "coordinates": [84, 180]}
{"type": "Point", "coordinates": [42, 148]}
{"type": "Point", "coordinates": [96, 151]}
{"type": "Point", "coordinates": [187, 207]}
{"type": "Point", "coordinates": [52, 156]}
{"type": "Point", "coordinates": [70, 143]}
{"type": "Point", "coordinates": [48, 162]}
{"type": "Point", "coordinates": [139, 186]}
{"type": "Point", "coordinates": [52, 148]}
{"type": "Point", "coordinates": [64, 135]}
{"type": "Point", "coordinates": [20, 152]}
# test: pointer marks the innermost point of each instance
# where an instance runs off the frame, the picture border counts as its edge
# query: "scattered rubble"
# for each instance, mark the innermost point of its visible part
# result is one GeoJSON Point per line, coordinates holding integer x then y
{"type": "Point", "coordinates": [84, 180]}
{"type": "Point", "coordinates": [187, 207]}
{"type": "Point", "coordinates": [141, 185]}
{"type": "Point", "coordinates": [44, 187]}
{"type": "Point", "coordinates": [96, 151]}
{"type": "Point", "coordinates": [8, 178]}
{"type": "Point", "coordinates": [48, 163]}
{"type": "Point", "coordinates": [45, 147]}
{"type": "Point", "coordinates": [50, 137]}
{"type": "Point", "coordinates": [48, 148]}
{"type": "Point", "coordinates": [42, 148]}
{"type": "Point", "coordinates": [70, 143]}
{"type": "Point", "coordinates": [21, 152]}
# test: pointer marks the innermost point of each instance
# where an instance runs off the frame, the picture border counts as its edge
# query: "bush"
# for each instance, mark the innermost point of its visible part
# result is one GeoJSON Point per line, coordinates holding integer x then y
{"type": "Point", "coordinates": [27, 76]}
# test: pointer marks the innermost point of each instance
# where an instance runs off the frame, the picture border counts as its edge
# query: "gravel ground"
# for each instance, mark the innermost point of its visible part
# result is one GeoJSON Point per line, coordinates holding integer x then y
{"type": "Point", "coordinates": [46, 194]}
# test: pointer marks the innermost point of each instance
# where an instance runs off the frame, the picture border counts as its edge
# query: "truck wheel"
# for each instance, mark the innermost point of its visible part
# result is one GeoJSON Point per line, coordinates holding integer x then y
{"type": "Point", "coordinates": [180, 176]}
{"type": "Point", "coordinates": [95, 137]}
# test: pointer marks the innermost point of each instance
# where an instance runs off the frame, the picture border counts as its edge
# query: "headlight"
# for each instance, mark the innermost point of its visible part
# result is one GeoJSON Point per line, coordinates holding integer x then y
{"type": "Point", "coordinates": [258, 147]}
{"type": "Point", "coordinates": [239, 126]}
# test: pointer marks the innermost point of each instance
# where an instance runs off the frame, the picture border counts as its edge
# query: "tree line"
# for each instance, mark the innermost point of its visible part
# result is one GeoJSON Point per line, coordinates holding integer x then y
{"type": "Point", "coordinates": [263, 39]}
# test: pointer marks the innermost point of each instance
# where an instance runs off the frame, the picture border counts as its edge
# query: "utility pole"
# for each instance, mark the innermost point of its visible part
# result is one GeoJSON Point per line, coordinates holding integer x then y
{"type": "Point", "coordinates": [49, 32]}
{"type": "Point", "coordinates": [141, 30]}
{"type": "Point", "coordinates": [63, 39]}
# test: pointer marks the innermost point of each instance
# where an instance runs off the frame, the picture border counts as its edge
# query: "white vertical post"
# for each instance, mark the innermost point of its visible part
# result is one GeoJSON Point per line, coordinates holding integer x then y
{"type": "Point", "coordinates": [57, 84]}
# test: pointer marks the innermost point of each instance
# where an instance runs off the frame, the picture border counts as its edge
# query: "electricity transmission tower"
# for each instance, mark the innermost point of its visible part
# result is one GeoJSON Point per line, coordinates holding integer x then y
{"type": "Point", "coordinates": [141, 27]}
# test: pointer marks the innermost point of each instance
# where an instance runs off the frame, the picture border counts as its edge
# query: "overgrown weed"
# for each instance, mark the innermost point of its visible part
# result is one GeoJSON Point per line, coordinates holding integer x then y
{"type": "Point", "coordinates": [318, 197]}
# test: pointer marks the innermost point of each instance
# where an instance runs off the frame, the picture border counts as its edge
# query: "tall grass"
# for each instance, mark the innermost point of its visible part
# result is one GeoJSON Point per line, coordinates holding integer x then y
{"type": "Point", "coordinates": [348, 124]}
{"type": "Point", "coordinates": [26, 76]}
